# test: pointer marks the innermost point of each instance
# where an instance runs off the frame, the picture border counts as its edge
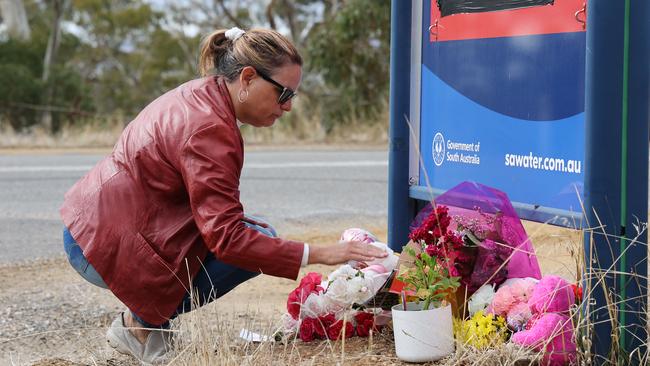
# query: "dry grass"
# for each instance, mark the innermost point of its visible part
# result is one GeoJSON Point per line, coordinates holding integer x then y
{"type": "Point", "coordinates": [559, 251]}
{"type": "Point", "coordinates": [209, 335]}
{"type": "Point", "coordinates": [96, 133]}
{"type": "Point", "coordinates": [303, 125]}
{"type": "Point", "coordinates": [217, 344]}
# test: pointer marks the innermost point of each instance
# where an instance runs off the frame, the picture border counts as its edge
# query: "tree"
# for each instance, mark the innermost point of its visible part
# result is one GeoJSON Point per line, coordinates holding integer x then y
{"type": "Point", "coordinates": [58, 8]}
{"type": "Point", "coordinates": [351, 51]}
{"type": "Point", "coordinates": [22, 91]}
{"type": "Point", "coordinates": [127, 55]}
{"type": "Point", "coordinates": [15, 18]}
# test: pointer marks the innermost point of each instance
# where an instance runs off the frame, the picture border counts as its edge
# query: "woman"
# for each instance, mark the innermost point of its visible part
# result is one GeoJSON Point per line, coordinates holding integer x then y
{"type": "Point", "coordinates": [160, 216]}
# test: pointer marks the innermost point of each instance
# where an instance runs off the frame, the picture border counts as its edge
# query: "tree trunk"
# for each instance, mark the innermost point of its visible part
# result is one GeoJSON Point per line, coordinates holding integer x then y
{"type": "Point", "coordinates": [58, 8]}
{"type": "Point", "coordinates": [15, 18]}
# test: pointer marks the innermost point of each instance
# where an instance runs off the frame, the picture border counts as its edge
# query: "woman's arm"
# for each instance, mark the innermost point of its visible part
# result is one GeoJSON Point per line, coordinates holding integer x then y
{"type": "Point", "coordinates": [343, 252]}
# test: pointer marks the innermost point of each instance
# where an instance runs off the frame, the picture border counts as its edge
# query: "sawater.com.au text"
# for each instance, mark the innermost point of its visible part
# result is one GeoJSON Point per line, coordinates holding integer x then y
{"type": "Point", "coordinates": [543, 163]}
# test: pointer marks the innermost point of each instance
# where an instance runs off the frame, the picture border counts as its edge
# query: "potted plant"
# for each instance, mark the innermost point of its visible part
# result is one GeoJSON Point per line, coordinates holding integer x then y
{"type": "Point", "coordinates": [423, 329]}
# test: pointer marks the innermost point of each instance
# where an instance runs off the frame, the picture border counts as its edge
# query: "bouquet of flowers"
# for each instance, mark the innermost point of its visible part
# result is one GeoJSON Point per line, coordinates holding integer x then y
{"type": "Point", "coordinates": [487, 242]}
{"type": "Point", "coordinates": [434, 276]}
{"type": "Point", "coordinates": [332, 308]}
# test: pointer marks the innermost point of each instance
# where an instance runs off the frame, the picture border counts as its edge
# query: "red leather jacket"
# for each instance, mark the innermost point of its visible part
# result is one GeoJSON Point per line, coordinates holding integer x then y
{"type": "Point", "coordinates": [147, 214]}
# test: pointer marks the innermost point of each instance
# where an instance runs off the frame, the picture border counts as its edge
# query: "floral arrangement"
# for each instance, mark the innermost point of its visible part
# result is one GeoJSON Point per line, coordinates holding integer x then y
{"type": "Point", "coordinates": [482, 235]}
{"type": "Point", "coordinates": [485, 241]}
{"type": "Point", "coordinates": [332, 308]}
{"type": "Point", "coordinates": [439, 242]}
{"type": "Point", "coordinates": [474, 235]}
{"type": "Point", "coordinates": [482, 330]}
{"type": "Point", "coordinates": [434, 275]}
{"type": "Point", "coordinates": [473, 252]}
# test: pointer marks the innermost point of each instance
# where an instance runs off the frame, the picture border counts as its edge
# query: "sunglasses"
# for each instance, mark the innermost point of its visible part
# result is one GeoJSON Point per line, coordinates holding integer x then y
{"type": "Point", "coordinates": [285, 93]}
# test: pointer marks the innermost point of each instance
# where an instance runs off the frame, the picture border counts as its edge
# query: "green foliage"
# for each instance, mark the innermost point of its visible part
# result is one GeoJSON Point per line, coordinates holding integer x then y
{"type": "Point", "coordinates": [133, 58]}
{"type": "Point", "coordinates": [19, 87]}
{"type": "Point", "coordinates": [21, 69]}
{"type": "Point", "coordinates": [115, 57]}
{"type": "Point", "coordinates": [26, 54]}
{"type": "Point", "coordinates": [429, 279]}
{"type": "Point", "coordinates": [351, 51]}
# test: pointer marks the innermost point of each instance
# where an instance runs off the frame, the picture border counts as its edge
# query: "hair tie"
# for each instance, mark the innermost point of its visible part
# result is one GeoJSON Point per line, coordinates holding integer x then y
{"type": "Point", "coordinates": [234, 33]}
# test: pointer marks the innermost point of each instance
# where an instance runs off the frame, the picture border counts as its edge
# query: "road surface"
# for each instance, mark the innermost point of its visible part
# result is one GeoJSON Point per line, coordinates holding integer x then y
{"type": "Point", "coordinates": [293, 189]}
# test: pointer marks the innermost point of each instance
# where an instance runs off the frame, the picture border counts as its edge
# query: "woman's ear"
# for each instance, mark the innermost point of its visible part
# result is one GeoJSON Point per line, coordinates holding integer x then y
{"type": "Point", "coordinates": [247, 74]}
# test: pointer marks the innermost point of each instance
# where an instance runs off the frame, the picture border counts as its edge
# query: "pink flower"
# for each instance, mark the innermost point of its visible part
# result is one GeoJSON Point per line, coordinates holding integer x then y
{"type": "Point", "coordinates": [356, 234]}
{"type": "Point", "coordinates": [503, 301]}
{"type": "Point", "coordinates": [522, 289]}
{"type": "Point", "coordinates": [377, 268]}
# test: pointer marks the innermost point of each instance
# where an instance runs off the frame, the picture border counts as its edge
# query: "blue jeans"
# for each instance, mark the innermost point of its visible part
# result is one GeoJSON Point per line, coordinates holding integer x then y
{"type": "Point", "coordinates": [213, 275]}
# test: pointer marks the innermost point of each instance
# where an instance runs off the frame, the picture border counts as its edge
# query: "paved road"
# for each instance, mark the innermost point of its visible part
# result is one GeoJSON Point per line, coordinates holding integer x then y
{"type": "Point", "coordinates": [293, 189]}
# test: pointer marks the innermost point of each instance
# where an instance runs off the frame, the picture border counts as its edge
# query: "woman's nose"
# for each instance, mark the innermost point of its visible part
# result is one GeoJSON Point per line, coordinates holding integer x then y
{"type": "Point", "coordinates": [286, 106]}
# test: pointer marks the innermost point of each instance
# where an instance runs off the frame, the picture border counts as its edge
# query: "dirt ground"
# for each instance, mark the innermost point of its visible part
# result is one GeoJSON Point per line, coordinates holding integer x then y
{"type": "Point", "coordinates": [50, 316]}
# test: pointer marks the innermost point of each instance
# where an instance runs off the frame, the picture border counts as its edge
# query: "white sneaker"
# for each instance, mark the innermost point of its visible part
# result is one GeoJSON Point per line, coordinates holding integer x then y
{"type": "Point", "coordinates": [153, 351]}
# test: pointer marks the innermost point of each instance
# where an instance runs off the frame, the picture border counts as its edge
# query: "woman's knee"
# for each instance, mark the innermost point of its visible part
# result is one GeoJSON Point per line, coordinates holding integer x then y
{"type": "Point", "coordinates": [79, 262]}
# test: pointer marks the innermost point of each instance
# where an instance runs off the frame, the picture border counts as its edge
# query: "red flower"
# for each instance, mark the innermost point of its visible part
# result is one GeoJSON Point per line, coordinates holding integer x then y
{"type": "Point", "coordinates": [308, 329]}
{"type": "Point", "coordinates": [308, 285]}
{"type": "Point", "coordinates": [433, 227]}
{"type": "Point", "coordinates": [577, 291]}
{"type": "Point", "coordinates": [323, 324]}
{"type": "Point", "coordinates": [335, 330]}
{"type": "Point", "coordinates": [365, 323]}
{"type": "Point", "coordinates": [431, 250]}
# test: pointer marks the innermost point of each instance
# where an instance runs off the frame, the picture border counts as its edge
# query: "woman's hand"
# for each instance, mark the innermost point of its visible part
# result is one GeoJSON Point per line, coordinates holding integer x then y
{"type": "Point", "coordinates": [343, 252]}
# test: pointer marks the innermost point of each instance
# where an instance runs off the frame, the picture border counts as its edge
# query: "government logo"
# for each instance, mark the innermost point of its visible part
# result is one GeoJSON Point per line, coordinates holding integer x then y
{"type": "Point", "coordinates": [438, 149]}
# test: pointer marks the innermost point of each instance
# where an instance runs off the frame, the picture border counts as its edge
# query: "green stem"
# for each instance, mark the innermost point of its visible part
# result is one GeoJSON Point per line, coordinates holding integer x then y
{"type": "Point", "coordinates": [624, 121]}
{"type": "Point", "coordinates": [427, 301]}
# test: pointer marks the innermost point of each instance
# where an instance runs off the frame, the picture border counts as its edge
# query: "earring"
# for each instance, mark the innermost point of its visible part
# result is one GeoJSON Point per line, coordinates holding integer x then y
{"type": "Point", "coordinates": [239, 95]}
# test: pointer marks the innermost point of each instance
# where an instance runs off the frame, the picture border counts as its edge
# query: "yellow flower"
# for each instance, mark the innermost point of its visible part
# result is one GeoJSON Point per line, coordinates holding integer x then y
{"type": "Point", "coordinates": [481, 330]}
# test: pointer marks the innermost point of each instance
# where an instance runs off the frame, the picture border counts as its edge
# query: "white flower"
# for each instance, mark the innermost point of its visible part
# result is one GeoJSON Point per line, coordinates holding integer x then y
{"type": "Point", "coordinates": [358, 291]}
{"type": "Point", "coordinates": [336, 297]}
{"type": "Point", "coordinates": [289, 324]}
{"type": "Point", "coordinates": [481, 299]}
{"type": "Point", "coordinates": [345, 272]}
{"type": "Point", "coordinates": [312, 307]}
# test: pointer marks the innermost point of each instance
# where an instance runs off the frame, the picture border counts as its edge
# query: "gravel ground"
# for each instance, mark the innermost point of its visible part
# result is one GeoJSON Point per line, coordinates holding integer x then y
{"type": "Point", "coordinates": [49, 316]}
{"type": "Point", "coordinates": [48, 310]}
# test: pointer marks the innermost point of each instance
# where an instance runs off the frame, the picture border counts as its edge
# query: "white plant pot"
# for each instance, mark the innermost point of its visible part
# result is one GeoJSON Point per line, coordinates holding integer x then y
{"type": "Point", "coordinates": [422, 335]}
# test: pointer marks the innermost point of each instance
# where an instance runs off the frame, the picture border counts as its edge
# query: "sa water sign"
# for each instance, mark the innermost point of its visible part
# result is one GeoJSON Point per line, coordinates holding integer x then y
{"type": "Point", "coordinates": [502, 101]}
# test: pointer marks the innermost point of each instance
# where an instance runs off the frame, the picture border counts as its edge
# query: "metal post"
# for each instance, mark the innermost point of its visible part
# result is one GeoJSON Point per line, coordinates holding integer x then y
{"type": "Point", "coordinates": [400, 206]}
{"type": "Point", "coordinates": [616, 177]}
